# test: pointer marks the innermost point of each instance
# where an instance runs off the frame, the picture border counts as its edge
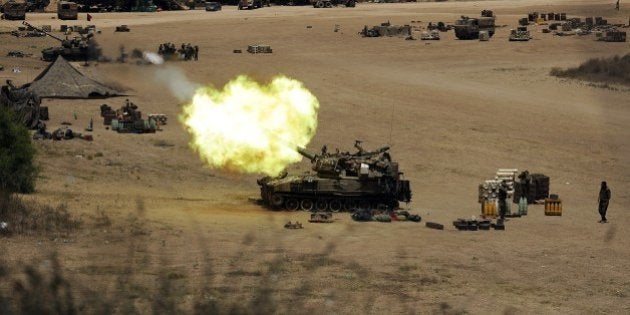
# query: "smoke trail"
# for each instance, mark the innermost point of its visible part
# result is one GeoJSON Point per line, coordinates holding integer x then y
{"type": "Point", "coordinates": [178, 83]}
{"type": "Point", "coordinates": [180, 86]}
{"type": "Point", "coordinates": [153, 58]}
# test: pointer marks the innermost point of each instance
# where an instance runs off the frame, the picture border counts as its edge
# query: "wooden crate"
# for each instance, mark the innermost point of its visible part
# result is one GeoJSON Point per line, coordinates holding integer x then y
{"type": "Point", "coordinates": [553, 207]}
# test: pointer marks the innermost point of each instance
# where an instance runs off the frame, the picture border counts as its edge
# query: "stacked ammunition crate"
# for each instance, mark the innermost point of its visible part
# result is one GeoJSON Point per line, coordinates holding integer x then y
{"type": "Point", "coordinates": [489, 190]}
{"type": "Point", "coordinates": [553, 207]}
{"type": "Point", "coordinates": [508, 175]}
{"type": "Point", "coordinates": [489, 208]}
{"type": "Point", "coordinates": [258, 49]}
{"type": "Point", "coordinates": [538, 189]}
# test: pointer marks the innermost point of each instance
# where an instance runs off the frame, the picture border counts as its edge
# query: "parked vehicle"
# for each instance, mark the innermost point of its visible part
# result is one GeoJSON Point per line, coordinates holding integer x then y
{"type": "Point", "coordinates": [252, 4]}
{"type": "Point", "coordinates": [342, 181]}
{"type": "Point", "coordinates": [67, 10]}
{"type": "Point", "coordinates": [14, 10]}
{"type": "Point", "coordinates": [213, 6]}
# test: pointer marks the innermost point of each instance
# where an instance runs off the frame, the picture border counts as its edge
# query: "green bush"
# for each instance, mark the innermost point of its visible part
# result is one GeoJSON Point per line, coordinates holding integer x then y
{"type": "Point", "coordinates": [17, 165]}
{"type": "Point", "coordinates": [607, 70]}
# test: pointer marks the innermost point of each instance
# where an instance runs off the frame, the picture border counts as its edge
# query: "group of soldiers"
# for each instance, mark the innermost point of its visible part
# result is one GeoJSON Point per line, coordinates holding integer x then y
{"type": "Point", "coordinates": [185, 52]}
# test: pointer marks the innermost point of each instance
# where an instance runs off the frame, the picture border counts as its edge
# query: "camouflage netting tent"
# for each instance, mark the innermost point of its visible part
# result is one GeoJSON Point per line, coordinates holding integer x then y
{"type": "Point", "coordinates": [25, 104]}
{"type": "Point", "coordinates": [61, 80]}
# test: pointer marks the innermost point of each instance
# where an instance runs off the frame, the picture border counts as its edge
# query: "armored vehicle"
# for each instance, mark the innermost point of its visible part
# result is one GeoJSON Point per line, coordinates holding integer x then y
{"type": "Point", "coordinates": [342, 181]}
{"type": "Point", "coordinates": [67, 10]}
{"type": "Point", "coordinates": [80, 48]}
{"type": "Point", "coordinates": [14, 10]}
{"type": "Point", "coordinates": [468, 28]}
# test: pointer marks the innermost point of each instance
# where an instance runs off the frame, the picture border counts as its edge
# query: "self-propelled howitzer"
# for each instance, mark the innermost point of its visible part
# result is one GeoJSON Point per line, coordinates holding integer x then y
{"type": "Point", "coordinates": [342, 181]}
{"type": "Point", "coordinates": [79, 48]}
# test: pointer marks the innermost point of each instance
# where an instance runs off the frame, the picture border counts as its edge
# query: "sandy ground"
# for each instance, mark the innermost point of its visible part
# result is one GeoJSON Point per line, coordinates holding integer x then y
{"type": "Point", "coordinates": [452, 111]}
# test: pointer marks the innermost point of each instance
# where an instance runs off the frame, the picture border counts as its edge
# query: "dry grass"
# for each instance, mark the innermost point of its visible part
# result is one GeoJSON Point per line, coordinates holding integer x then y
{"type": "Point", "coordinates": [42, 290]}
{"type": "Point", "coordinates": [29, 218]}
{"type": "Point", "coordinates": [44, 285]}
{"type": "Point", "coordinates": [613, 70]}
{"type": "Point", "coordinates": [41, 286]}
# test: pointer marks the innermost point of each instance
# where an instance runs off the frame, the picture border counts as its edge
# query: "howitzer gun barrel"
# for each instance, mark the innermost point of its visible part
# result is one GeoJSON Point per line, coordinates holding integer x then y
{"type": "Point", "coordinates": [306, 154]}
{"type": "Point", "coordinates": [41, 31]}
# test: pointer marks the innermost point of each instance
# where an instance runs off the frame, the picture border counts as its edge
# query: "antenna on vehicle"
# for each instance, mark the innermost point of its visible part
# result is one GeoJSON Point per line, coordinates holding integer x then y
{"type": "Point", "coordinates": [391, 124]}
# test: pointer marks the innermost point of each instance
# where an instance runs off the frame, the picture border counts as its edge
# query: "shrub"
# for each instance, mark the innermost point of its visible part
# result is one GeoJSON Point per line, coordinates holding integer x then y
{"type": "Point", "coordinates": [608, 70]}
{"type": "Point", "coordinates": [17, 166]}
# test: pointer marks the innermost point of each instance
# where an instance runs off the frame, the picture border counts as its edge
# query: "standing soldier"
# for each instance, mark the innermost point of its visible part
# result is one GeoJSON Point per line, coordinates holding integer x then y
{"type": "Point", "coordinates": [524, 183]}
{"type": "Point", "coordinates": [196, 52]}
{"type": "Point", "coordinates": [604, 198]}
{"type": "Point", "coordinates": [502, 200]}
{"type": "Point", "coordinates": [617, 5]}
{"type": "Point", "coordinates": [189, 52]}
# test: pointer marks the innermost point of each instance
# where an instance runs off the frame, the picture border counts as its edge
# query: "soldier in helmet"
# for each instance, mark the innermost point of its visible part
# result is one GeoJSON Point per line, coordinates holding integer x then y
{"type": "Point", "coordinates": [357, 144]}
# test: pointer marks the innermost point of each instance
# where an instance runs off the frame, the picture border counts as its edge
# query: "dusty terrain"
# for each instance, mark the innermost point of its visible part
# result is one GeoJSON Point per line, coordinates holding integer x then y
{"type": "Point", "coordinates": [163, 231]}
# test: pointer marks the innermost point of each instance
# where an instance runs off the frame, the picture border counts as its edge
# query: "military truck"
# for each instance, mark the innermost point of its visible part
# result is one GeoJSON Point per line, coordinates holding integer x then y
{"type": "Point", "coordinates": [468, 28]}
{"type": "Point", "coordinates": [14, 10]}
{"type": "Point", "coordinates": [333, 3]}
{"type": "Point", "coordinates": [67, 10]}
{"type": "Point", "coordinates": [342, 181]}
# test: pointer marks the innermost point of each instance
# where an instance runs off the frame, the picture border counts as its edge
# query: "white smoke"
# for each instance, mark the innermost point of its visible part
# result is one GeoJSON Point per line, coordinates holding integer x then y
{"type": "Point", "coordinates": [178, 83]}
{"type": "Point", "coordinates": [173, 77]}
{"type": "Point", "coordinates": [153, 58]}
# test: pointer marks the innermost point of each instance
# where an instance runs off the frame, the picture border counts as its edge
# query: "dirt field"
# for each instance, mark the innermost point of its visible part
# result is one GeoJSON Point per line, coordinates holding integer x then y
{"type": "Point", "coordinates": [163, 232]}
